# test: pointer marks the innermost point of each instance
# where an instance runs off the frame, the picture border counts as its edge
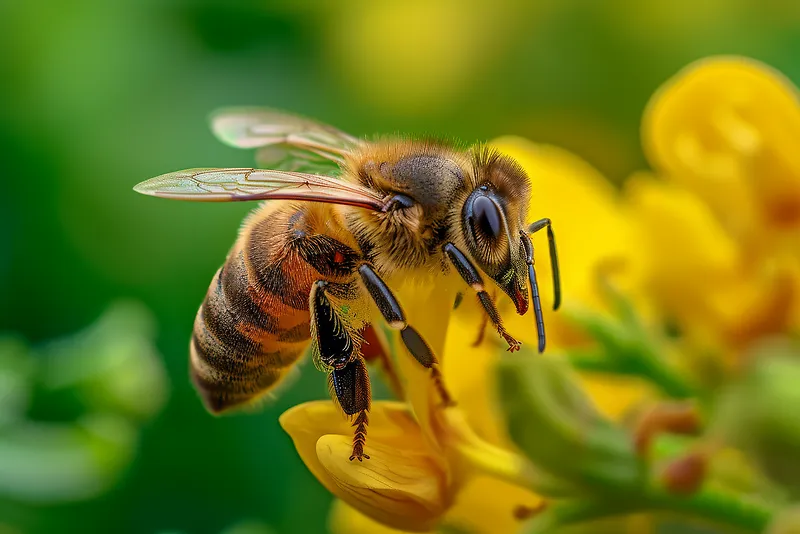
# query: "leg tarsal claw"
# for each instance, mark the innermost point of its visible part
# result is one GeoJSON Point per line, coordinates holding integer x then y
{"type": "Point", "coordinates": [358, 452]}
{"type": "Point", "coordinates": [513, 344]}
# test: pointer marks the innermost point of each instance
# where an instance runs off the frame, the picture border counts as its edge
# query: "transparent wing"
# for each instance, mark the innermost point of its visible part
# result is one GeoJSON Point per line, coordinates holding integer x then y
{"type": "Point", "coordinates": [226, 185]}
{"type": "Point", "coordinates": [286, 142]}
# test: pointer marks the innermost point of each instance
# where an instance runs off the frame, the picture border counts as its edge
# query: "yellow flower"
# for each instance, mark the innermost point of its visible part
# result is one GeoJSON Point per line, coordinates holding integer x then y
{"type": "Point", "coordinates": [727, 130]}
{"type": "Point", "coordinates": [721, 231]}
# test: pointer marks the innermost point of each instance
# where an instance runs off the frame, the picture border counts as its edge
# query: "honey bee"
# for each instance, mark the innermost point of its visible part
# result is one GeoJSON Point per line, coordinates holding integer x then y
{"type": "Point", "coordinates": [342, 215]}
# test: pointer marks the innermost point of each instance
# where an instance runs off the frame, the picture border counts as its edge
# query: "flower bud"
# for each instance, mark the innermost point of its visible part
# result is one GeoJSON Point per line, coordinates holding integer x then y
{"type": "Point", "coordinates": [556, 426]}
{"type": "Point", "coordinates": [759, 413]}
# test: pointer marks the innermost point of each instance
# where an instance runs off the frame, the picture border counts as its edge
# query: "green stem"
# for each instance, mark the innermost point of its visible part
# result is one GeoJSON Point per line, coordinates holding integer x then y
{"type": "Point", "coordinates": [628, 346]}
{"type": "Point", "coordinates": [567, 513]}
{"type": "Point", "coordinates": [591, 361]}
{"type": "Point", "coordinates": [714, 506]}
{"type": "Point", "coordinates": [717, 506]}
{"type": "Point", "coordinates": [652, 366]}
{"type": "Point", "coordinates": [481, 457]}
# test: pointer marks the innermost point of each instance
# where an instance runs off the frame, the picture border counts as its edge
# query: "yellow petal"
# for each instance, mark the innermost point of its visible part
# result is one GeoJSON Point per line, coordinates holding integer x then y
{"type": "Point", "coordinates": [591, 230]}
{"type": "Point", "coordinates": [756, 304]}
{"type": "Point", "coordinates": [469, 373]}
{"type": "Point", "coordinates": [427, 303]}
{"type": "Point", "coordinates": [720, 295]}
{"type": "Point", "coordinates": [344, 519]}
{"type": "Point", "coordinates": [390, 422]}
{"type": "Point", "coordinates": [727, 128]}
{"type": "Point", "coordinates": [491, 506]}
{"type": "Point", "coordinates": [404, 483]}
{"type": "Point", "coordinates": [398, 486]}
{"type": "Point", "coordinates": [683, 242]}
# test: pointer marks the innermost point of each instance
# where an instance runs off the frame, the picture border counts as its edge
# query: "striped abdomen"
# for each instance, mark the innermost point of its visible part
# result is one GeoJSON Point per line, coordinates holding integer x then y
{"type": "Point", "coordinates": [254, 323]}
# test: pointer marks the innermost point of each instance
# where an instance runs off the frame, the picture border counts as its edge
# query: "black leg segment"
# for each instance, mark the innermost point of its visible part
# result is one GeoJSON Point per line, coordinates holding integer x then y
{"type": "Point", "coordinates": [551, 241]}
{"type": "Point", "coordinates": [473, 278]}
{"type": "Point", "coordinates": [351, 386]}
{"type": "Point", "coordinates": [334, 342]}
{"type": "Point", "coordinates": [393, 314]}
{"type": "Point", "coordinates": [417, 346]}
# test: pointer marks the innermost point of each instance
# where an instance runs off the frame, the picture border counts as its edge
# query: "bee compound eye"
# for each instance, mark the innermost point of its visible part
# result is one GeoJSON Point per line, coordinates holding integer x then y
{"type": "Point", "coordinates": [486, 216]}
{"type": "Point", "coordinates": [400, 201]}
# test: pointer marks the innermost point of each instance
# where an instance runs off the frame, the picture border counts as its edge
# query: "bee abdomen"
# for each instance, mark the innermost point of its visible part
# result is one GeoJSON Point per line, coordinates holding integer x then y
{"type": "Point", "coordinates": [239, 351]}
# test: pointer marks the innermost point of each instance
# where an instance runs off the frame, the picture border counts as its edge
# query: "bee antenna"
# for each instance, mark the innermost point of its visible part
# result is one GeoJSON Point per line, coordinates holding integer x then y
{"type": "Point", "coordinates": [537, 302]}
{"type": "Point", "coordinates": [551, 240]}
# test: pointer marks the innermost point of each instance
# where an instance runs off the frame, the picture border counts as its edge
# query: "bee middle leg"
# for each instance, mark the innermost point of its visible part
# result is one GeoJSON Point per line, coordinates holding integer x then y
{"type": "Point", "coordinates": [393, 314]}
{"type": "Point", "coordinates": [482, 327]}
{"type": "Point", "coordinates": [338, 349]}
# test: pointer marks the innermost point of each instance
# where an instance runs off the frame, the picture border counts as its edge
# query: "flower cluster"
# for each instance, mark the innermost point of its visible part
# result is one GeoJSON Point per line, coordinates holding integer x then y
{"type": "Point", "coordinates": [671, 286]}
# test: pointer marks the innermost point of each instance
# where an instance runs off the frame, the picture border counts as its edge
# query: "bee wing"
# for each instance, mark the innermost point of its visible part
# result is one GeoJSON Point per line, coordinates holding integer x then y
{"type": "Point", "coordinates": [286, 142]}
{"type": "Point", "coordinates": [227, 185]}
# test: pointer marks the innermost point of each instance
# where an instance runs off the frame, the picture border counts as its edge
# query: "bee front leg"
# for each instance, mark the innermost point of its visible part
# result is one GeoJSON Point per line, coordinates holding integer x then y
{"type": "Point", "coordinates": [473, 278]}
{"type": "Point", "coordinates": [337, 348]}
{"type": "Point", "coordinates": [393, 314]}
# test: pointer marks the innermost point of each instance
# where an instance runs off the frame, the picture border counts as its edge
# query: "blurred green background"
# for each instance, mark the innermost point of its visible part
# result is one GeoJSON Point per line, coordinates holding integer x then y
{"type": "Point", "coordinates": [96, 96]}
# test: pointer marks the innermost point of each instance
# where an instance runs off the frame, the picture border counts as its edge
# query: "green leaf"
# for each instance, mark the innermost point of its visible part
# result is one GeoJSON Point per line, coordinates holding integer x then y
{"type": "Point", "coordinates": [16, 376]}
{"type": "Point", "coordinates": [113, 364]}
{"type": "Point", "coordinates": [625, 347]}
{"type": "Point", "coordinates": [54, 462]}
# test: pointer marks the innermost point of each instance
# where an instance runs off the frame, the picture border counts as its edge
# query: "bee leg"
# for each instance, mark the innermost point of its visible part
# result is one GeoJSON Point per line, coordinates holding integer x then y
{"type": "Point", "coordinates": [351, 388]}
{"type": "Point", "coordinates": [471, 276]}
{"type": "Point", "coordinates": [482, 328]}
{"type": "Point", "coordinates": [393, 314]}
{"type": "Point", "coordinates": [348, 380]}
{"type": "Point", "coordinates": [334, 344]}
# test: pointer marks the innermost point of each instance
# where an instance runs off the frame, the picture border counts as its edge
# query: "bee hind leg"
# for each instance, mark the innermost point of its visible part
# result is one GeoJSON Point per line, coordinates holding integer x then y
{"type": "Point", "coordinates": [337, 348]}
{"type": "Point", "coordinates": [351, 388]}
{"type": "Point", "coordinates": [393, 314]}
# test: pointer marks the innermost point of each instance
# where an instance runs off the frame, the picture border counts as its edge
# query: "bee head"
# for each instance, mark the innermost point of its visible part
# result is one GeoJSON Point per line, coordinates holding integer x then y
{"type": "Point", "coordinates": [491, 219]}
